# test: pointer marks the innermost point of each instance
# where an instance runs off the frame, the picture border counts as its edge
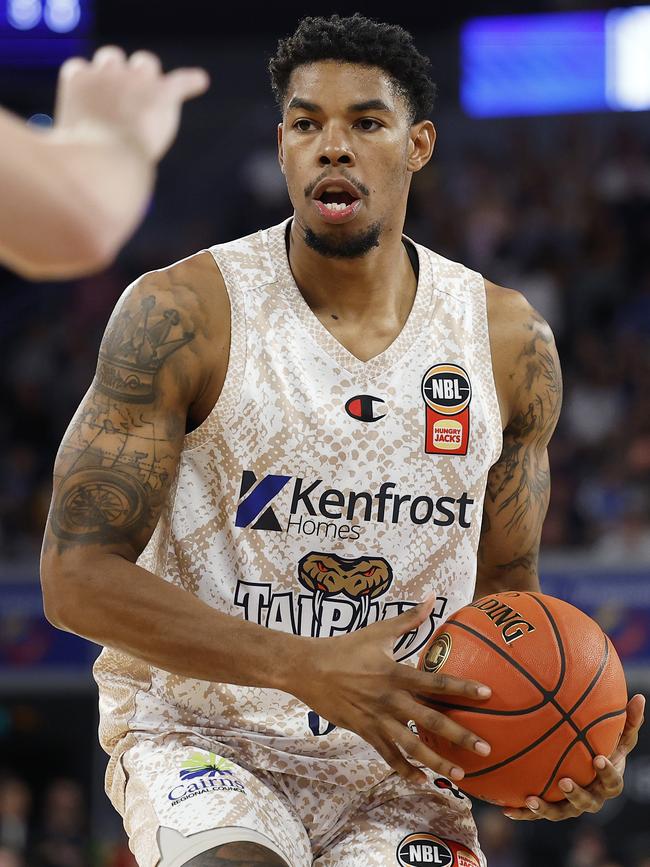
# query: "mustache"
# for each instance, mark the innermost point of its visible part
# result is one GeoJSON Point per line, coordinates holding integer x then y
{"type": "Point", "coordinates": [362, 188]}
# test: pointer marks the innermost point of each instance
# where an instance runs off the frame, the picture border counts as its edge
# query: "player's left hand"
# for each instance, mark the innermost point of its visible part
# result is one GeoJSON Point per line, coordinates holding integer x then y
{"type": "Point", "coordinates": [608, 782]}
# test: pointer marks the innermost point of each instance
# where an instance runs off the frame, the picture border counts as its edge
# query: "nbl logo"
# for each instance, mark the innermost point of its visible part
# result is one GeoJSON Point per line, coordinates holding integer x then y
{"type": "Point", "coordinates": [416, 850]}
{"type": "Point", "coordinates": [447, 392]}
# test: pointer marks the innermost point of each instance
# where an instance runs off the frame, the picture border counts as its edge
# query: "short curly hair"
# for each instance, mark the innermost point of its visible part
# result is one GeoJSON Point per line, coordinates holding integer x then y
{"type": "Point", "coordinates": [357, 39]}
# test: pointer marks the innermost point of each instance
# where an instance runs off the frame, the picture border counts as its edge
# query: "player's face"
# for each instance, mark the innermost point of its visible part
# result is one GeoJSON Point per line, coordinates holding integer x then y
{"type": "Point", "coordinates": [348, 150]}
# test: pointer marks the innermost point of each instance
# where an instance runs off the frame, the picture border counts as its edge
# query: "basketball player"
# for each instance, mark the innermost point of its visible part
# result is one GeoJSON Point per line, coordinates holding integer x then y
{"type": "Point", "coordinates": [298, 436]}
{"type": "Point", "coordinates": [73, 195]}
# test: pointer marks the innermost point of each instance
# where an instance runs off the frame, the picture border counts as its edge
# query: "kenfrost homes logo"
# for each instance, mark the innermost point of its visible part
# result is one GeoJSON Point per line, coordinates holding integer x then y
{"type": "Point", "coordinates": [202, 773]}
{"type": "Point", "coordinates": [333, 513]}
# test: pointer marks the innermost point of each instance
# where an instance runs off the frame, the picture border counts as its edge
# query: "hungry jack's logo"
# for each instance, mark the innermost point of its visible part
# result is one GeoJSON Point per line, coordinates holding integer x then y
{"type": "Point", "coordinates": [447, 393]}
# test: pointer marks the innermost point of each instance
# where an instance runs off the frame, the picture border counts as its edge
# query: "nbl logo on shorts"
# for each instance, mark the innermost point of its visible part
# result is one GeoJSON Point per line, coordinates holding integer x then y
{"type": "Point", "coordinates": [428, 850]}
{"type": "Point", "coordinates": [416, 850]}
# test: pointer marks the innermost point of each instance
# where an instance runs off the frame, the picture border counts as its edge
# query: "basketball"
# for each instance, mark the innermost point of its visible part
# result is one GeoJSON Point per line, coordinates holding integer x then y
{"type": "Point", "coordinates": [558, 694]}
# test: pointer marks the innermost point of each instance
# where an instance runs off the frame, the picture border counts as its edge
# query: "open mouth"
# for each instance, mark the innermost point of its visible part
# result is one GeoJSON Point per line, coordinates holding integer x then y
{"type": "Point", "coordinates": [336, 203]}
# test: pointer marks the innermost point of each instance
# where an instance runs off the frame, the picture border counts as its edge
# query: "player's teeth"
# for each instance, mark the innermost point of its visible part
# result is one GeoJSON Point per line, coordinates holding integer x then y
{"type": "Point", "coordinates": [336, 206]}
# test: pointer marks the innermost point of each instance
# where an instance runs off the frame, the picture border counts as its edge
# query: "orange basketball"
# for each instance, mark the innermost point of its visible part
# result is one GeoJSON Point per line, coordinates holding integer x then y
{"type": "Point", "coordinates": [558, 694]}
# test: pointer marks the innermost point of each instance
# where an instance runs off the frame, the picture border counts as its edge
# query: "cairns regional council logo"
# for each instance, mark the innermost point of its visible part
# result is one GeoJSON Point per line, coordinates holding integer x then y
{"type": "Point", "coordinates": [202, 773]}
{"type": "Point", "coordinates": [447, 393]}
{"type": "Point", "coordinates": [427, 850]}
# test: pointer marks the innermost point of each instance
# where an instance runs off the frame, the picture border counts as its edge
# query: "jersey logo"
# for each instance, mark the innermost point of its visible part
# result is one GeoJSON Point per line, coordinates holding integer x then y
{"type": "Point", "coordinates": [359, 579]}
{"type": "Point", "coordinates": [253, 504]}
{"type": "Point", "coordinates": [365, 407]}
{"type": "Point", "coordinates": [447, 393]}
{"type": "Point", "coordinates": [420, 849]}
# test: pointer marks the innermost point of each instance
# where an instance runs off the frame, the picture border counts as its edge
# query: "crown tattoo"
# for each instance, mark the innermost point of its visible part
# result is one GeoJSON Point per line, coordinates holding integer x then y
{"type": "Point", "coordinates": [136, 351]}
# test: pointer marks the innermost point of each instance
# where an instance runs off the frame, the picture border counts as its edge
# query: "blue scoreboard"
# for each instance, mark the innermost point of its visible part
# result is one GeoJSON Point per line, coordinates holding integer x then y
{"type": "Point", "coordinates": [41, 33]}
{"type": "Point", "coordinates": [557, 62]}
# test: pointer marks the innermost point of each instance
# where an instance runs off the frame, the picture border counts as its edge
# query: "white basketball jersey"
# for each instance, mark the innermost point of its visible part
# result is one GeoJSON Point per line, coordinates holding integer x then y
{"type": "Point", "coordinates": [320, 495]}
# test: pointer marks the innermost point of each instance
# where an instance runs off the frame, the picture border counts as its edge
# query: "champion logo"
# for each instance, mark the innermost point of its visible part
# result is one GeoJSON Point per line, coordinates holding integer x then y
{"type": "Point", "coordinates": [366, 407]}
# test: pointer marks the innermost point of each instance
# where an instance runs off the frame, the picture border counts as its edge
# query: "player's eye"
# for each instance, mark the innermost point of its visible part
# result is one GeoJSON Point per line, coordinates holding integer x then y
{"type": "Point", "coordinates": [303, 124]}
{"type": "Point", "coordinates": [321, 566]}
{"type": "Point", "coordinates": [369, 572]}
{"type": "Point", "coordinates": [367, 124]}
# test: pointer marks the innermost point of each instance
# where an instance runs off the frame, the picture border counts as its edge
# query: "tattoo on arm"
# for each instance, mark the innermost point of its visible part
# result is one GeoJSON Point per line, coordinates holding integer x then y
{"type": "Point", "coordinates": [118, 454]}
{"type": "Point", "coordinates": [518, 487]}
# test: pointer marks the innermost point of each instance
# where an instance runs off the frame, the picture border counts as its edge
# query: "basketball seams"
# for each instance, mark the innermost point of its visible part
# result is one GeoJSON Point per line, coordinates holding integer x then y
{"type": "Point", "coordinates": [558, 638]}
{"type": "Point", "coordinates": [548, 697]}
{"type": "Point", "coordinates": [583, 740]}
{"type": "Point", "coordinates": [595, 678]}
{"type": "Point", "coordinates": [518, 755]}
{"type": "Point", "coordinates": [548, 694]}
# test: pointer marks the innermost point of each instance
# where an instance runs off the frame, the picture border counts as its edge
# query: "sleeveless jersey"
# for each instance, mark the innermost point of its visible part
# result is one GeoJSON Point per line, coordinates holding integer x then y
{"type": "Point", "coordinates": [321, 494]}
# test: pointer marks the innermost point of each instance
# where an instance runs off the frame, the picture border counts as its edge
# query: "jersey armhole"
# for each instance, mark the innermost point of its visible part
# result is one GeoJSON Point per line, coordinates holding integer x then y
{"type": "Point", "coordinates": [230, 394]}
{"type": "Point", "coordinates": [483, 350]}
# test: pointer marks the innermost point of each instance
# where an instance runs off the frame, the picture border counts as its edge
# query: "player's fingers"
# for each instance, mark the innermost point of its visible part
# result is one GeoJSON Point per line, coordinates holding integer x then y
{"type": "Point", "coordinates": [633, 722]}
{"type": "Point", "coordinates": [609, 781]}
{"type": "Point", "coordinates": [555, 812]}
{"type": "Point", "coordinates": [109, 55]}
{"type": "Point", "coordinates": [521, 815]}
{"type": "Point", "coordinates": [389, 752]}
{"type": "Point", "coordinates": [72, 66]}
{"type": "Point", "coordinates": [407, 621]}
{"type": "Point", "coordinates": [426, 683]}
{"type": "Point", "coordinates": [146, 61]}
{"type": "Point", "coordinates": [588, 800]}
{"type": "Point", "coordinates": [187, 83]}
{"type": "Point", "coordinates": [413, 747]}
{"type": "Point", "coordinates": [442, 725]}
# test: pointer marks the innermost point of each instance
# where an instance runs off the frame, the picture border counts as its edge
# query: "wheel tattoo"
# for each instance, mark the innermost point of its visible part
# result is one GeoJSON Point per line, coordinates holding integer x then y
{"type": "Point", "coordinates": [94, 504]}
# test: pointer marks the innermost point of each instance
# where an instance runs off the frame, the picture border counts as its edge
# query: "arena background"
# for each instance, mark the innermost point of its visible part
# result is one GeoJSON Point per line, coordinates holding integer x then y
{"type": "Point", "coordinates": [555, 204]}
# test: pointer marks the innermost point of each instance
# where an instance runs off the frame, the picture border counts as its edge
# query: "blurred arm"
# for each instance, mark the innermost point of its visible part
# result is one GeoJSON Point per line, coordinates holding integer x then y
{"type": "Point", "coordinates": [71, 196]}
{"type": "Point", "coordinates": [529, 383]}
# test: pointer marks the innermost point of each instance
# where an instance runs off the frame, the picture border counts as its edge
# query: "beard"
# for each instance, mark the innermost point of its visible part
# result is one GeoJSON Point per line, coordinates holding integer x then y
{"type": "Point", "coordinates": [352, 247]}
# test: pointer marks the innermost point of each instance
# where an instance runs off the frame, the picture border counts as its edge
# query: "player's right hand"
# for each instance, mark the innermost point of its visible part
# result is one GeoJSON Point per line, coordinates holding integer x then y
{"type": "Point", "coordinates": [354, 682]}
{"type": "Point", "coordinates": [129, 98]}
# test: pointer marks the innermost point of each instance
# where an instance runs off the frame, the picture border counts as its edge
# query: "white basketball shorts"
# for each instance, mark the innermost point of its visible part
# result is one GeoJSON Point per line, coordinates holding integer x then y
{"type": "Point", "coordinates": [179, 796]}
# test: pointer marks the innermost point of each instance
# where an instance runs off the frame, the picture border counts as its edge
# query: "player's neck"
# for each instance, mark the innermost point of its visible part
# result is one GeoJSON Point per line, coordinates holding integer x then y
{"type": "Point", "coordinates": [378, 285]}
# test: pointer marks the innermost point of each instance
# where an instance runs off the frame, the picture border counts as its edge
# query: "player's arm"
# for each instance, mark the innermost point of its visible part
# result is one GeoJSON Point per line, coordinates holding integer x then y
{"type": "Point", "coordinates": [527, 374]}
{"type": "Point", "coordinates": [529, 385]}
{"type": "Point", "coordinates": [72, 195]}
{"type": "Point", "coordinates": [162, 346]}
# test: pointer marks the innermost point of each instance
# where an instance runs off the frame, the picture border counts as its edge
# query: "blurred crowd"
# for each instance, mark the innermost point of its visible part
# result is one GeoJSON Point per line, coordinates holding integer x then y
{"type": "Point", "coordinates": [566, 221]}
{"type": "Point", "coordinates": [49, 827]}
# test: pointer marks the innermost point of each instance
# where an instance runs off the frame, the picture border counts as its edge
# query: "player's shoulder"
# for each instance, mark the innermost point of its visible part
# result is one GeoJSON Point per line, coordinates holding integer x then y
{"type": "Point", "coordinates": [522, 347]}
{"type": "Point", "coordinates": [193, 280]}
{"type": "Point", "coordinates": [513, 322]}
{"type": "Point", "coordinates": [190, 292]}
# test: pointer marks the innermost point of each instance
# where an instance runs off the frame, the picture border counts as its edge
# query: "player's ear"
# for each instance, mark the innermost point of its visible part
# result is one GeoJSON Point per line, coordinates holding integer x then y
{"type": "Point", "coordinates": [422, 138]}
{"type": "Point", "coordinates": [280, 151]}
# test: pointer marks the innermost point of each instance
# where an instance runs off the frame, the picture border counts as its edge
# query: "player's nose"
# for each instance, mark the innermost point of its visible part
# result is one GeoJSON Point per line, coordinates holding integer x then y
{"type": "Point", "coordinates": [335, 149]}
